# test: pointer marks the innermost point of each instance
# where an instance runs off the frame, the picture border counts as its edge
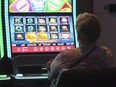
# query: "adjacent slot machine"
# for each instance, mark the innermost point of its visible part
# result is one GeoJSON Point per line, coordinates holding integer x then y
{"type": "Point", "coordinates": [1, 33]}
{"type": "Point", "coordinates": [37, 30]}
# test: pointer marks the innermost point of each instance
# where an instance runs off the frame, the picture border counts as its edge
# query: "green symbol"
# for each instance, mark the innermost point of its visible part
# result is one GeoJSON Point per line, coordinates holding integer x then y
{"type": "Point", "coordinates": [19, 28]}
{"type": "Point", "coordinates": [30, 21]}
{"type": "Point", "coordinates": [54, 5]}
{"type": "Point", "coordinates": [30, 28]}
{"type": "Point", "coordinates": [18, 21]}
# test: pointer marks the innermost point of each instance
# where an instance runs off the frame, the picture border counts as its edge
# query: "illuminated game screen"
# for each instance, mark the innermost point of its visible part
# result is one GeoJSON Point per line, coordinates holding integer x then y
{"type": "Point", "coordinates": [41, 33]}
{"type": "Point", "coordinates": [38, 26]}
{"type": "Point", "coordinates": [40, 6]}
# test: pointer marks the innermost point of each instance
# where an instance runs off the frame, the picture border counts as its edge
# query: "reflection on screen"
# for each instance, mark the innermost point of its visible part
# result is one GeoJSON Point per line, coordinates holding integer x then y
{"type": "Point", "coordinates": [40, 6]}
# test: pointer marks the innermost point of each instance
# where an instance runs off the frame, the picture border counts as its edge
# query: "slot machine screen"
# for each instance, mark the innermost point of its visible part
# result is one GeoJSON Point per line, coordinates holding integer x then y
{"type": "Point", "coordinates": [41, 33]}
{"type": "Point", "coordinates": [41, 26]}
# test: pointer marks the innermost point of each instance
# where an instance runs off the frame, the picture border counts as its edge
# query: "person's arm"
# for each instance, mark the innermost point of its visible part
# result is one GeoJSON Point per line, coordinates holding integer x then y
{"type": "Point", "coordinates": [54, 67]}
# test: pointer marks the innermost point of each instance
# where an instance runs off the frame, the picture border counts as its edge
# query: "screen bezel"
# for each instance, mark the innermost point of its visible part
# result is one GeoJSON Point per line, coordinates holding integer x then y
{"type": "Point", "coordinates": [41, 52]}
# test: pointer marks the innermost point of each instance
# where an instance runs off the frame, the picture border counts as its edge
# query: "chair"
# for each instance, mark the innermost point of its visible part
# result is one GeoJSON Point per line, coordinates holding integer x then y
{"type": "Point", "coordinates": [87, 78]}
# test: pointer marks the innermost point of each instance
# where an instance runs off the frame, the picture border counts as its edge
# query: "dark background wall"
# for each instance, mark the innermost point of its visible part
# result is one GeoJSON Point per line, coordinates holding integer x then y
{"type": "Point", "coordinates": [107, 19]}
{"type": "Point", "coordinates": [84, 6]}
{"type": "Point", "coordinates": [108, 22]}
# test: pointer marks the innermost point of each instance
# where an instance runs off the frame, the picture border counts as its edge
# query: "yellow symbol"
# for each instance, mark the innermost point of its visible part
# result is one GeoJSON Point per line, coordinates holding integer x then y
{"type": "Point", "coordinates": [42, 36]}
{"type": "Point", "coordinates": [31, 37]}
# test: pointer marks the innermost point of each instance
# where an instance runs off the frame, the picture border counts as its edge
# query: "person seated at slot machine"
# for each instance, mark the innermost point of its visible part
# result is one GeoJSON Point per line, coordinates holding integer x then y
{"type": "Point", "coordinates": [88, 55]}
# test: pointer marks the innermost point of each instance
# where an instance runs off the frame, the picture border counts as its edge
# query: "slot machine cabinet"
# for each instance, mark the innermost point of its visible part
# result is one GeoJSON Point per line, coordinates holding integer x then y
{"type": "Point", "coordinates": [36, 31]}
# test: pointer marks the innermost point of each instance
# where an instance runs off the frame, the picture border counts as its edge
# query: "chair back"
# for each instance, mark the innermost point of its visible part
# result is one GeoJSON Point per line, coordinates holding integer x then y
{"type": "Point", "coordinates": [87, 78]}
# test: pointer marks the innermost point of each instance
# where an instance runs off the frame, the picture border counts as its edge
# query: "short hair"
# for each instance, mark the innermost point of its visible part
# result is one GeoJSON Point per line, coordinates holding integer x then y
{"type": "Point", "coordinates": [88, 27]}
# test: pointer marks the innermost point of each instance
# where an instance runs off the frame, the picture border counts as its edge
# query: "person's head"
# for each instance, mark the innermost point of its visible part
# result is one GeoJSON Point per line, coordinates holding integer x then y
{"type": "Point", "coordinates": [88, 28]}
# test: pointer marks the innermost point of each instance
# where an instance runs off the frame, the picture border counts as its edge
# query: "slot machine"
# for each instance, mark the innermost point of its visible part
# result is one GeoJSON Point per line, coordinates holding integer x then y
{"type": "Point", "coordinates": [37, 30]}
{"type": "Point", "coordinates": [1, 33]}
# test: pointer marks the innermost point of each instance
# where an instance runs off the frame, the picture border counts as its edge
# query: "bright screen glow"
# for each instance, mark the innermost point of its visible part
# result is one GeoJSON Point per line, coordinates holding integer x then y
{"type": "Point", "coordinates": [41, 33]}
{"type": "Point", "coordinates": [1, 34]}
{"type": "Point", "coordinates": [40, 6]}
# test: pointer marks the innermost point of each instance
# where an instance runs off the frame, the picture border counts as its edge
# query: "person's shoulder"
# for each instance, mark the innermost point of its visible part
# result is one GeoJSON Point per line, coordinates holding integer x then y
{"type": "Point", "coordinates": [71, 52]}
{"type": "Point", "coordinates": [107, 50]}
{"type": "Point", "coordinates": [67, 51]}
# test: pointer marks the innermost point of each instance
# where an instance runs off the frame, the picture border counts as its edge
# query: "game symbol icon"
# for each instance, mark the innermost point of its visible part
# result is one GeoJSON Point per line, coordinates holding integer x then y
{"type": "Point", "coordinates": [53, 28]}
{"type": "Point", "coordinates": [19, 29]}
{"type": "Point", "coordinates": [65, 35]}
{"type": "Point", "coordinates": [43, 36]}
{"type": "Point", "coordinates": [41, 20]}
{"type": "Point", "coordinates": [54, 35]}
{"type": "Point", "coordinates": [19, 36]}
{"type": "Point", "coordinates": [30, 20]}
{"type": "Point", "coordinates": [31, 36]}
{"type": "Point", "coordinates": [41, 28]}
{"type": "Point", "coordinates": [30, 28]}
{"type": "Point", "coordinates": [18, 20]}
{"type": "Point", "coordinates": [64, 20]}
{"type": "Point", "coordinates": [52, 20]}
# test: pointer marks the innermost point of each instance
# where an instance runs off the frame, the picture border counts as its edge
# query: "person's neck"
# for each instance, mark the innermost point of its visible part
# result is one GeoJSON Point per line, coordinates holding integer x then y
{"type": "Point", "coordinates": [87, 44]}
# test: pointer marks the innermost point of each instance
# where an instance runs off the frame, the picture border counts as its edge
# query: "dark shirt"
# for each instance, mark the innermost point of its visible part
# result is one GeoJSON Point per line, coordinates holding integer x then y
{"type": "Point", "coordinates": [99, 58]}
